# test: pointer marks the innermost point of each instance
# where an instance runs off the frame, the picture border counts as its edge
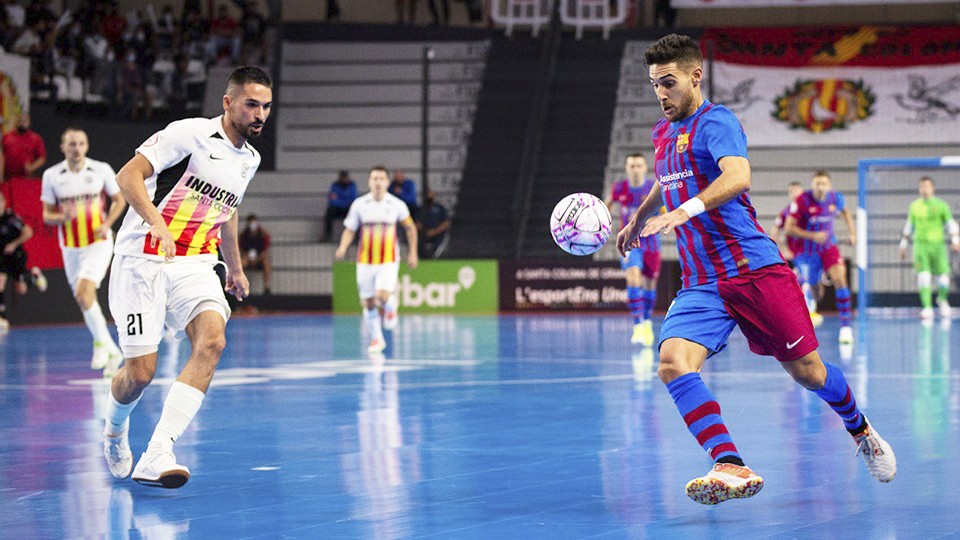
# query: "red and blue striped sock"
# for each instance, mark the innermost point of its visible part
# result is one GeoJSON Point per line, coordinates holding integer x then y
{"type": "Point", "coordinates": [649, 300]}
{"type": "Point", "coordinates": [843, 305]}
{"type": "Point", "coordinates": [635, 304]}
{"type": "Point", "coordinates": [701, 412]}
{"type": "Point", "coordinates": [836, 392]}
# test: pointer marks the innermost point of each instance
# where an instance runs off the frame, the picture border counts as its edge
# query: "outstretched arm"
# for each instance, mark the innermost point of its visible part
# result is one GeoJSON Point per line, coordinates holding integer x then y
{"type": "Point", "coordinates": [734, 179]}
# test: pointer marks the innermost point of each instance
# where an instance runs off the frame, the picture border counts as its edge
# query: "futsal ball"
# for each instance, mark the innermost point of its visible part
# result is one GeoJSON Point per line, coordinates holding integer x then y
{"type": "Point", "coordinates": [580, 224]}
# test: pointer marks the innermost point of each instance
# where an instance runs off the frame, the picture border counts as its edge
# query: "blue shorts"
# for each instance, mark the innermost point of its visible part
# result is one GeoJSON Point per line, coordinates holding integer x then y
{"type": "Point", "coordinates": [698, 314]}
{"type": "Point", "coordinates": [810, 267]}
{"type": "Point", "coordinates": [706, 314]}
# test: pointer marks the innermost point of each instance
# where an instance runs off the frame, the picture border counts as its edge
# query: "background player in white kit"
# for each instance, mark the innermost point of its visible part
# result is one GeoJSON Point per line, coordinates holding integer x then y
{"type": "Point", "coordinates": [376, 215]}
{"type": "Point", "coordinates": [72, 197]}
{"type": "Point", "coordinates": [184, 186]}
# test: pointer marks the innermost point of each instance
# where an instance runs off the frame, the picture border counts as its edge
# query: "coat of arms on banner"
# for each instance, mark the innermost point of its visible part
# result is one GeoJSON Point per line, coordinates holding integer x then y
{"type": "Point", "coordinates": [683, 141]}
{"type": "Point", "coordinates": [824, 104]}
{"type": "Point", "coordinates": [929, 101]}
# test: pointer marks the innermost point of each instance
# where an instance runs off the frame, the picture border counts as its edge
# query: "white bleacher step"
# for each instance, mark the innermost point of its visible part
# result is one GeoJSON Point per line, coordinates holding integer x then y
{"type": "Point", "coordinates": [381, 93]}
{"type": "Point", "coordinates": [338, 114]}
{"type": "Point", "coordinates": [360, 52]}
{"type": "Point", "coordinates": [384, 71]}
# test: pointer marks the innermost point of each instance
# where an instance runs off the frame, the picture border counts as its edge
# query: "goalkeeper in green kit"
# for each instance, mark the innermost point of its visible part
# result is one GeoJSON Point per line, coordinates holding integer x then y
{"type": "Point", "coordinates": [927, 218]}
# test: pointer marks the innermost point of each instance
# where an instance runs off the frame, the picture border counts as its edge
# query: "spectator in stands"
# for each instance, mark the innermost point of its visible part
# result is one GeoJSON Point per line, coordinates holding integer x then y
{"type": "Point", "coordinates": [408, 7]}
{"type": "Point", "coordinates": [333, 10]}
{"type": "Point", "coordinates": [165, 28]}
{"type": "Point", "coordinates": [255, 249]}
{"type": "Point", "coordinates": [224, 35]}
{"type": "Point", "coordinates": [405, 189]}
{"type": "Point", "coordinates": [132, 92]}
{"type": "Point", "coordinates": [436, 13]}
{"type": "Point", "coordinates": [433, 222]}
{"type": "Point", "coordinates": [252, 28]}
{"type": "Point", "coordinates": [112, 26]}
{"type": "Point", "coordinates": [23, 150]}
{"type": "Point", "coordinates": [341, 195]}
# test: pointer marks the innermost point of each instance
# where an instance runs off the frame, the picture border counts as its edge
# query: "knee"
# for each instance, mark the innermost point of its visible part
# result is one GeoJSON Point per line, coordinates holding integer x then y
{"type": "Point", "coordinates": [140, 373]}
{"type": "Point", "coordinates": [212, 346]}
{"type": "Point", "coordinates": [810, 375]}
{"type": "Point", "coordinates": [671, 365]}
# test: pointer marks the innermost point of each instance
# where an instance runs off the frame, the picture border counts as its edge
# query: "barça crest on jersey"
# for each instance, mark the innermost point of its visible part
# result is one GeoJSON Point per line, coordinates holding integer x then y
{"type": "Point", "coordinates": [683, 142]}
{"type": "Point", "coordinates": [823, 104]}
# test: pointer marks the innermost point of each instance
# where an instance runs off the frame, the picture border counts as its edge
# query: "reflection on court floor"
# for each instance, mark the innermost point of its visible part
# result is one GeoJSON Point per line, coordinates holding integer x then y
{"type": "Point", "coordinates": [506, 426]}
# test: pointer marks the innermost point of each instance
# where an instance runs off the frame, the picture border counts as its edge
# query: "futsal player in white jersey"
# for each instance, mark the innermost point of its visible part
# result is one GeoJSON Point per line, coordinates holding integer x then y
{"type": "Point", "coordinates": [375, 215]}
{"type": "Point", "coordinates": [72, 195]}
{"type": "Point", "coordinates": [184, 186]}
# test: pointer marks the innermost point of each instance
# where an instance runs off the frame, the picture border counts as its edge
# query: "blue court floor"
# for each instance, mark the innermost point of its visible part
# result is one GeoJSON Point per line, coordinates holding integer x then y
{"type": "Point", "coordinates": [478, 427]}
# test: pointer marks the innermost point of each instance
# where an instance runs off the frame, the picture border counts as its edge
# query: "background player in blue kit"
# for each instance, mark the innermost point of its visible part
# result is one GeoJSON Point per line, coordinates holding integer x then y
{"type": "Point", "coordinates": [811, 221]}
{"type": "Point", "coordinates": [642, 264]}
{"type": "Point", "coordinates": [730, 271]}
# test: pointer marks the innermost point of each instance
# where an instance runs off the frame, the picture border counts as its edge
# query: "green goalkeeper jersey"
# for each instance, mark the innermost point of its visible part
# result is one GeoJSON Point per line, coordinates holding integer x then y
{"type": "Point", "coordinates": [928, 219]}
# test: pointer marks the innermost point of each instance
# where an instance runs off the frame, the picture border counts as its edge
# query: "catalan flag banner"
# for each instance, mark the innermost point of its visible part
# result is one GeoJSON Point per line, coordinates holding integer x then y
{"type": "Point", "coordinates": [844, 86]}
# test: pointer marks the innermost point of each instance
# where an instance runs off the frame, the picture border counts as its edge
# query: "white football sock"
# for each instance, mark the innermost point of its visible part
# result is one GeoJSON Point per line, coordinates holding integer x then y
{"type": "Point", "coordinates": [117, 415]}
{"type": "Point", "coordinates": [372, 317]}
{"type": "Point", "coordinates": [97, 323]}
{"type": "Point", "coordinates": [180, 407]}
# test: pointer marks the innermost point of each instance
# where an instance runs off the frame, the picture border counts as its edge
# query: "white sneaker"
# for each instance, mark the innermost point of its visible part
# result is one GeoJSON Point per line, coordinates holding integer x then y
{"type": "Point", "coordinates": [117, 451]}
{"type": "Point", "coordinates": [877, 454]}
{"type": "Point", "coordinates": [926, 313]}
{"type": "Point", "coordinates": [724, 482]}
{"type": "Point", "coordinates": [114, 360]}
{"type": "Point", "coordinates": [101, 354]}
{"type": "Point", "coordinates": [4, 325]}
{"type": "Point", "coordinates": [39, 280]}
{"type": "Point", "coordinates": [160, 469]}
{"type": "Point", "coordinates": [376, 346]}
{"type": "Point", "coordinates": [816, 319]}
{"type": "Point", "coordinates": [945, 310]}
{"type": "Point", "coordinates": [846, 335]}
{"type": "Point", "coordinates": [390, 319]}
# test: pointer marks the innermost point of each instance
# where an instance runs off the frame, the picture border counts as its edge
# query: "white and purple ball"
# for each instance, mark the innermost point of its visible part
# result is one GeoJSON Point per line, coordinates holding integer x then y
{"type": "Point", "coordinates": [580, 224]}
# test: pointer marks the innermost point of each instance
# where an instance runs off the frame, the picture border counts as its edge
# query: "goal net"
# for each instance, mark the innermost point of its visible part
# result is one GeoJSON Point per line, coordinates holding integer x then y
{"type": "Point", "coordinates": [887, 284]}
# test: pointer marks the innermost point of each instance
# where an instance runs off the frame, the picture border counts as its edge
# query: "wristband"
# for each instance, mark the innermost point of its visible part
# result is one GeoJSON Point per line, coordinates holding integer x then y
{"type": "Point", "coordinates": [693, 207]}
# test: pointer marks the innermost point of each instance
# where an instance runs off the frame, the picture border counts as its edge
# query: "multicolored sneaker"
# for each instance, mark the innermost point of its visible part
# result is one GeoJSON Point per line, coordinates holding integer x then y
{"type": "Point", "coordinates": [637, 336]}
{"type": "Point", "coordinates": [39, 280]}
{"type": "Point", "coordinates": [101, 354]}
{"type": "Point", "coordinates": [377, 345]}
{"type": "Point", "coordinates": [114, 360]}
{"type": "Point", "coordinates": [647, 333]}
{"type": "Point", "coordinates": [846, 335]}
{"type": "Point", "coordinates": [816, 319]}
{"type": "Point", "coordinates": [877, 454]}
{"type": "Point", "coordinates": [724, 482]}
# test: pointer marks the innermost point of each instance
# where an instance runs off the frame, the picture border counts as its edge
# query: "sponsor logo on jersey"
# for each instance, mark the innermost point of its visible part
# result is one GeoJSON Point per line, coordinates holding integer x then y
{"type": "Point", "coordinates": [674, 180]}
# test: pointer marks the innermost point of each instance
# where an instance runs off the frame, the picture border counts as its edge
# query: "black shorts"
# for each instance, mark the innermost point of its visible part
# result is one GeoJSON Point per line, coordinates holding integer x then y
{"type": "Point", "coordinates": [15, 264]}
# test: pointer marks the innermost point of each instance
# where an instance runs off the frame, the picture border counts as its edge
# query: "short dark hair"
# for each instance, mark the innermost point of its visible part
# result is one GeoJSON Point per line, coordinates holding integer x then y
{"type": "Point", "coordinates": [795, 183]}
{"type": "Point", "coordinates": [246, 75]}
{"type": "Point", "coordinates": [251, 217]}
{"type": "Point", "coordinates": [379, 168]}
{"type": "Point", "coordinates": [70, 129]}
{"type": "Point", "coordinates": [674, 48]}
{"type": "Point", "coordinates": [821, 172]}
{"type": "Point", "coordinates": [927, 179]}
{"type": "Point", "coordinates": [636, 155]}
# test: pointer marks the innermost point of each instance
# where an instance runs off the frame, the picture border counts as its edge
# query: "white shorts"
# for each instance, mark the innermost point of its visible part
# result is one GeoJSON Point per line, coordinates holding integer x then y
{"type": "Point", "coordinates": [90, 263]}
{"type": "Point", "coordinates": [146, 294]}
{"type": "Point", "coordinates": [376, 277]}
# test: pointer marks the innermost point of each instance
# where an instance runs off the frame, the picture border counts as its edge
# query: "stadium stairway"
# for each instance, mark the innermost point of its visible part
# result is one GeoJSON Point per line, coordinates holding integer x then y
{"type": "Point", "coordinates": [484, 225]}
{"type": "Point", "coordinates": [576, 138]}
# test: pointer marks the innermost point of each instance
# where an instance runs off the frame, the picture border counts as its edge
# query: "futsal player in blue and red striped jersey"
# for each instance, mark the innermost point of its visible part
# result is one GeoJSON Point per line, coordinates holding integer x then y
{"type": "Point", "coordinates": [732, 275]}
{"type": "Point", "coordinates": [642, 264]}
{"type": "Point", "coordinates": [811, 222]}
